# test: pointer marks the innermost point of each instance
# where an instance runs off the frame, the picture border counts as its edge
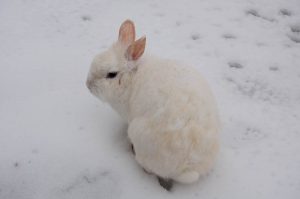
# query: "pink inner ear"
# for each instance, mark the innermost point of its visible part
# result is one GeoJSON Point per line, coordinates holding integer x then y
{"type": "Point", "coordinates": [127, 32]}
{"type": "Point", "coordinates": [136, 49]}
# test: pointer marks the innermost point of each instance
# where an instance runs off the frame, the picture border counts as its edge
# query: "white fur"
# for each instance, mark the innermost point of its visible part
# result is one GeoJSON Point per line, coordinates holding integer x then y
{"type": "Point", "coordinates": [172, 116]}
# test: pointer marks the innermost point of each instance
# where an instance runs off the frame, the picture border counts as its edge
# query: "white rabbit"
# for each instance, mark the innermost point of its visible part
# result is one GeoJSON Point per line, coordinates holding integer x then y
{"type": "Point", "coordinates": [171, 112]}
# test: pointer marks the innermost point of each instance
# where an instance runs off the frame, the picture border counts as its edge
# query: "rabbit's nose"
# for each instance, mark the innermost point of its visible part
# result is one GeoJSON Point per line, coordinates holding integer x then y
{"type": "Point", "coordinates": [89, 83]}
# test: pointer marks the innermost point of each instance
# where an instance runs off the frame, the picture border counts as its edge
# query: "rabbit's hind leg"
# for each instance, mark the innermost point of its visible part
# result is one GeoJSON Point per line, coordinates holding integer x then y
{"type": "Point", "coordinates": [165, 183]}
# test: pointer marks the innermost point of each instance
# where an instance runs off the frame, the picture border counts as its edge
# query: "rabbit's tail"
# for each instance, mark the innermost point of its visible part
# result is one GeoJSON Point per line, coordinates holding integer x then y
{"type": "Point", "coordinates": [187, 177]}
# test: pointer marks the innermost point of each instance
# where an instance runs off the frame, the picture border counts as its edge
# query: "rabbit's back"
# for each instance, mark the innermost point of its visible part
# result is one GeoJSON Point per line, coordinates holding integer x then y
{"type": "Point", "coordinates": [164, 86]}
{"type": "Point", "coordinates": [173, 119]}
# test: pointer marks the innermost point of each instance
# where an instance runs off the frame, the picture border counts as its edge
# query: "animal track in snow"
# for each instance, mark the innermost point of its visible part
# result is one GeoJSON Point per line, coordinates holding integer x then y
{"type": "Point", "coordinates": [252, 133]}
{"type": "Point", "coordinates": [295, 28]}
{"type": "Point", "coordinates": [295, 38]}
{"type": "Point", "coordinates": [252, 12]}
{"type": "Point", "coordinates": [285, 12]}
{"type": "Point", "coordinates": [228, 36]}
{"type": "Point", "coordinates": [235, 65]}
{"type": "Point", "coordinates": [255, 13]}
{"type": "Point", "coordinates": [294, 35]}
{"type": "Point", "coordinates": [86, 18]}
{"type": "Point", "coordinates": [195, 36]}
{"type": "Point", "coordinates": [178, 23]}
{"type": "Point", "coordinates": [242, 133]}
{"type": "Point", "coordinates": [257, 89]}
{"type": "Point", "coordinates": [273, 68]}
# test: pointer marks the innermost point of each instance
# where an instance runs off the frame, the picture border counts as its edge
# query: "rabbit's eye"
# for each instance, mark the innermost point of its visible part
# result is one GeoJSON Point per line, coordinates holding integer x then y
{"type": "Point", "coordinates": [111, 75]}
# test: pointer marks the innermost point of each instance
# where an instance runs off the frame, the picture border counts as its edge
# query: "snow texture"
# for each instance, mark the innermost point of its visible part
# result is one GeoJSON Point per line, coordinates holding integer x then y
{"type": "Point", "coordinates": [58, 141]}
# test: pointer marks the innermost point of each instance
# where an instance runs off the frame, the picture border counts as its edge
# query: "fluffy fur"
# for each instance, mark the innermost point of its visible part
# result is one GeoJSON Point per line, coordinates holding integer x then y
{"type": "Point", "coordinates": [172, 116]}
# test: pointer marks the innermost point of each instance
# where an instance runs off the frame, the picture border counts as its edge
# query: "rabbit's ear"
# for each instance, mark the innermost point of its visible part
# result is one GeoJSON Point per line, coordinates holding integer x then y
{"type": "Point", "coordinates": [136, 49]}
{"type": "Point", "coordinates": [127, 32]}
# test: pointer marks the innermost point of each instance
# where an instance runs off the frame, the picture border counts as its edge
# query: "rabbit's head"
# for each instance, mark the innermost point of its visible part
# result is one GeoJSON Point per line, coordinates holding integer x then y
{"type": "Point", "coordinates": [112, 70]}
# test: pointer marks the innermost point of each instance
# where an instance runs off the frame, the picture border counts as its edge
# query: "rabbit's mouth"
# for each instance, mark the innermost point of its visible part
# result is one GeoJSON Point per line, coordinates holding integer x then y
{"type": "Point", "coordinates": [89, 84]}
{"type": "Point", "coordinates": [94, 89]}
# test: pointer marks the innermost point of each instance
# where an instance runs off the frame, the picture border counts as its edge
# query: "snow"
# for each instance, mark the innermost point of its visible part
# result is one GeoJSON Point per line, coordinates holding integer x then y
{"type": "Point", "coordinates": [58, 141]}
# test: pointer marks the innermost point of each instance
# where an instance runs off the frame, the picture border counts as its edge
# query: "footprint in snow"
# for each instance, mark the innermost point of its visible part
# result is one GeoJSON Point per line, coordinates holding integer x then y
{"type": "Point", "coordinates": [195, 36]}
{"type": "Point", "coordinates": [242, 133]}
{"type": "Point", "coordinates": [285, 12]}
{"type": "Point", "coordinates": [16, 164]}
{"type": "Point", "coordinates": [235, 65]}
{"type": "Point", "coordinates": [255, 13]}
{"type": "Point", "coordinates": [86, 18]}
{"type": "Point", "coordinates": [252, 12]}
{"type": "Point", "coordinates": [294, 35]}
{"type": "Point", "coordinates": [273, 68]}
{"type": "Point", "coordinates": [178, 23]}
{"type": "Point", "coordinates": [228, 36]}
{"type": "Point", "coordinates": [258, 89]}
{"type": "Point", "coordinates": [295, 28]}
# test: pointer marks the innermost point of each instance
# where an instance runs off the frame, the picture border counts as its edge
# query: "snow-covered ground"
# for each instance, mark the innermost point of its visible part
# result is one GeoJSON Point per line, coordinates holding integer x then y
{"type": "Point", "coordinates": [58, 141]}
